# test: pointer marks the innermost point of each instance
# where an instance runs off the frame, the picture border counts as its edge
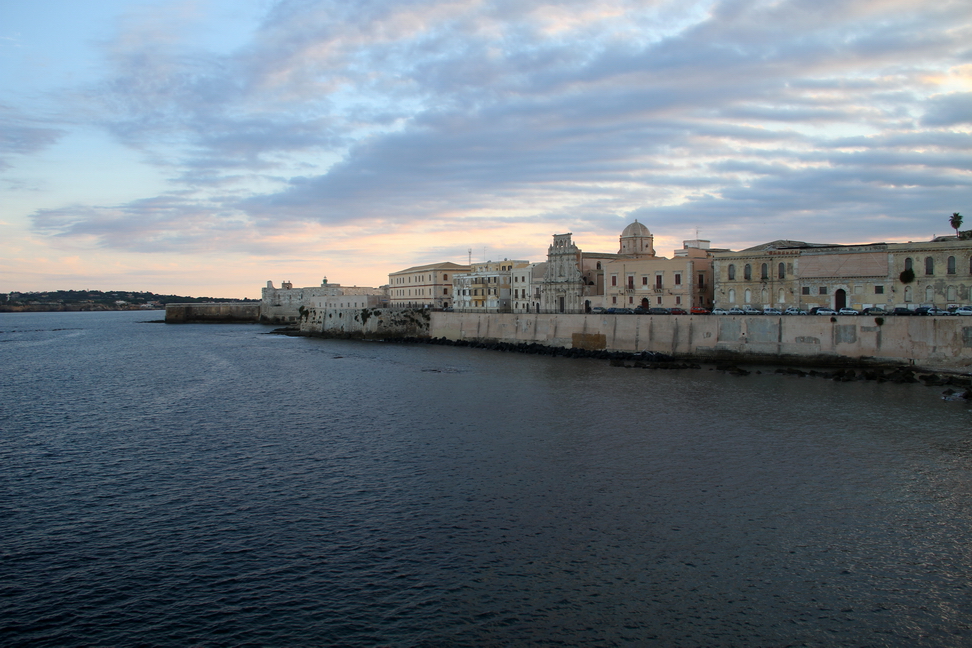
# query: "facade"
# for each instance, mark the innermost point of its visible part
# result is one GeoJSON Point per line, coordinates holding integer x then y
{"type": "Point", "coordinates": [487, 287]}
{"type": "Point", "coordinates": [647, 281]}
{"type": "Point", "coordinates": [426, 286]}
{"type": "Point", "coordinates": [285, 304]}
{"type": "Point", "coordinates": [526, 287]}
{"type": "Point", "coordinates": [784, 273]}
{"type": "Point", "coordinates": [563, 283]}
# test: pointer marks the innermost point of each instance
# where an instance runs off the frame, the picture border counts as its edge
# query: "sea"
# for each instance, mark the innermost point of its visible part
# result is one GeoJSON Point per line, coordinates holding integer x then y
{"type": "Point", "coordinates": [217, 485]}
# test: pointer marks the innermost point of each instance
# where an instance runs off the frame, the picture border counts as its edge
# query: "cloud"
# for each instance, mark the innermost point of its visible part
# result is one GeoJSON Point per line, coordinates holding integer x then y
{"type": "Point", "coordinates": [728, 114]}
{"type": "Point", "coordinates": [23, 135]}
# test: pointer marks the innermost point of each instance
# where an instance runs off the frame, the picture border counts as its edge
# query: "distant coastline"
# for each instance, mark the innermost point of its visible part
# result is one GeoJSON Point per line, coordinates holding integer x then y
{"type": "Point", "coordinates": [97, 300]}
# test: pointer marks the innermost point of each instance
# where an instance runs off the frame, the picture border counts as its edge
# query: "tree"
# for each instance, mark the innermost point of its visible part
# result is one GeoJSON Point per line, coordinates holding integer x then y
{"type": "Point", "coordinates": [956, 222]}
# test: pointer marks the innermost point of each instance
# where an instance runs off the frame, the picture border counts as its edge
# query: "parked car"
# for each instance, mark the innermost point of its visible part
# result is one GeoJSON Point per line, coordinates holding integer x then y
{"type": "Point", "coordinates": [875, 310]}
{"type": "Point", "coordinates": [751, 310]}
{"type": "Point", "coordinates": [598, 310]}
{"type": "Point", "coordinates": [699, 310]}
{"type": "Point", "coordinates": [963, 310]}
{"type": "Point", "coordinates": [640, 310]}
{"type": "Point", "coordinates": [938, 312]}
{"type": "Point", "coordinates": [793, 310]}
{"type": "Point", "coordinates": [772, 311]}
{"type": "Point", "coordinates": [922, 310]}
{"type": "Point", "coordinates": [720, 311]}
{"type": "Point", "coordinates": [822, 310]}
{"type": "Point", "coordinates": [902, 310]}
{"type": "Point", "coordinates": [678, 311]}
{"type": "Point", "coordinates": [658, 310]}
{"type": "Point", "coordinates": [625, 311]}
{"type": "Point", "coordinates": [848, 311]}
{"type": "Point", "coordinates": [735, 310]}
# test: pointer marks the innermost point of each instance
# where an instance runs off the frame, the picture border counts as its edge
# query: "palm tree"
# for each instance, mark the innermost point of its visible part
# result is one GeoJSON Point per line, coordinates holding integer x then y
{"type": "Point", "coordinates": [956, 222]}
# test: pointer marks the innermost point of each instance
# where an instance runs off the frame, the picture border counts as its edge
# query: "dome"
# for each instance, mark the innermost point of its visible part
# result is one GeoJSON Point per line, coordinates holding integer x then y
{"type": "Point", "coordinates": [635, 229]}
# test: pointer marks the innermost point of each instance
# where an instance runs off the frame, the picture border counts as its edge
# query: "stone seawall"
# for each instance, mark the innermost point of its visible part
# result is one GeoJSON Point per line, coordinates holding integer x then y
{"type": "Point", "coordinates": [934, 342]}
{"type": "Point", "coordinates": [366, 323]}
{"type": "Point", "coordinates": [216, 313]}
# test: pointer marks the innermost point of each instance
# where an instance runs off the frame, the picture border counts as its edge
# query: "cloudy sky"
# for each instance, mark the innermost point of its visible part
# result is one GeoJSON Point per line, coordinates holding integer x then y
{"type": "Point", "coordinates": [206, 146]}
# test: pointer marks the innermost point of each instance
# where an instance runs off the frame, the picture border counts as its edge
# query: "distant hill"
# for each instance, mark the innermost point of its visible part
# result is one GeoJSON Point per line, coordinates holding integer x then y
{"type": "Point", "coordinates": [96, 300]}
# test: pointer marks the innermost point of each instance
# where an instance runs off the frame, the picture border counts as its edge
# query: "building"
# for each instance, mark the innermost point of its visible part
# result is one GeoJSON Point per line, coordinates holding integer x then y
{"type": "Point", "coordinates": [526, 287]}
{"type": "Point", "coordinates": [638, 278]}
{"type": "Point", "coordinates": [426, 286]}
{"type": "Point", "coordinates": [787, 273]}
{"type": "Point", "coordinates": [286, 304]}
{"type": "Point", "coordinates": [487, 287]}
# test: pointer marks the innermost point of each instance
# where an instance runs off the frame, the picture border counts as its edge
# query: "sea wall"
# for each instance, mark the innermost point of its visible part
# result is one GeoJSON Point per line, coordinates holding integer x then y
{"type": "Point", "coordinates": [367, 323]}
{"type": "Point", "coordinates": [222, 313]}
{"type": "Point", "coordinates": [939, 342]}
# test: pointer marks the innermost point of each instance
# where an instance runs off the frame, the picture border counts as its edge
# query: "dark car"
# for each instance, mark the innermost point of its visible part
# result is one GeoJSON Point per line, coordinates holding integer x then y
{"type": "Point", "coordinates": [678, 311]}
{"type": "Point", "coordinates": [640, 311]}
{"type": "Point", "coordinates": [658, 310]}
{"type": "Point", "coordinates": [902, 310]}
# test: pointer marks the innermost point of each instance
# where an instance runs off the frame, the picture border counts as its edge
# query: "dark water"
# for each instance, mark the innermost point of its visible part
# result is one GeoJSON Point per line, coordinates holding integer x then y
{"type": "Point", "coordinates": [214, 486]}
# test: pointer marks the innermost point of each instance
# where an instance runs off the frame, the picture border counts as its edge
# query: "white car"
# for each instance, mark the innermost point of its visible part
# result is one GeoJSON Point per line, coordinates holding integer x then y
{"type": "Point", "coordinates": [963, 310]}
{"type": "Point", "coordinates": [793, 310]}
{"type": "Point", "coordinates": [751, 310]}
{"type": "Point", "coordinates": [719, 311]}
{"type": "Point", "coordinates": [772, 311]}
{"type": "Point", "coordinates": [847, 311]}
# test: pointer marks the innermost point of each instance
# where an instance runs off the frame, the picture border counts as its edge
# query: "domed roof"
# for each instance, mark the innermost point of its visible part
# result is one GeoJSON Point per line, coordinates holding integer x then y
{"type": "Point", "coordinates": [635, 229]}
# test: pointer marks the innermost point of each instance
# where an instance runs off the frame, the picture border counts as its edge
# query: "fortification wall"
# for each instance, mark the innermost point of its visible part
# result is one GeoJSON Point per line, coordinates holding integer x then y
{"type": "Point", "coordinates": [368, 323]}
{"type": "Point", "coordinates": [227, 312]}
{"type": "Point", "coordinates": [934, 342]}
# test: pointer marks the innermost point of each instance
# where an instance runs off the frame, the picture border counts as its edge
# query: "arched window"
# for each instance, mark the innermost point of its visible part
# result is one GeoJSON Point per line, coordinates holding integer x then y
{"type": "Point", "coordinates": [908, 294]}
{"type": "Point", "coordinates": [782, 298]}
{"type": "Point", "coordinates": [929, 266]}
{"type": "Point", "coordinates": [950, 293]}
{"type": "Point", "coordinates": [732, 272]}
{"type": "Point", "coordinates": [908, 263]}
{"type": "Point", "coordinates": [764, 272]}
{"type": "Point", "coordinates": [781, 271]}
{"type": "Point", "coordinates": [929, 294]}
{"type": "Point", "coordinates": [749, 296]}
{"type": "Point", "coordinates": [748, 274]}
{"type": "Point", "coordinates": [950, 265]}
{"type": "Point", "coordinates": [732, 295]}
{"type": "Point", "coordinates": [598, 265]}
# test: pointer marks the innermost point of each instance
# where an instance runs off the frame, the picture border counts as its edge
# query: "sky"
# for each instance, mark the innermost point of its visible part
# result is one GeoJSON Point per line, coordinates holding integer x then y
{"type": "Point", "coordinates": [203, 147]}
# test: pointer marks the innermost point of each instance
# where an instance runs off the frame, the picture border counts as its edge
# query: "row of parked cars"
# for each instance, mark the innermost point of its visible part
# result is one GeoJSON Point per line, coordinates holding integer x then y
{"type": "Point", "coordinates": [792, 310]}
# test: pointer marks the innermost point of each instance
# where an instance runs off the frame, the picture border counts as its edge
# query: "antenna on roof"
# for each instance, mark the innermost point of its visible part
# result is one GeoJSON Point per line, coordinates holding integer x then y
{"type": "Point", "coordinates": [470, 257]}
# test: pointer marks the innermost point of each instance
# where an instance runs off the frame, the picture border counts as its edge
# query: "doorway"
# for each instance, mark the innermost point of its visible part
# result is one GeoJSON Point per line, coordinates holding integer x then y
{"type": "Point", "coordinates": [840, 299]}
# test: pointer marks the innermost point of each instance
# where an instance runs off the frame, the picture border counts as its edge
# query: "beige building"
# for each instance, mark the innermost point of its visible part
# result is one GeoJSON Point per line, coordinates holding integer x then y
{"type": "Point", "coordinates": [487, 287]}
{"type": "Point", "coordinates": [426, 286]}
{"type": "Point", "coordinates": [637, 277]}
{"type": "Point", "coordinates": [785, 273]}
{"type": "Point", "coordinates": [526, 287]}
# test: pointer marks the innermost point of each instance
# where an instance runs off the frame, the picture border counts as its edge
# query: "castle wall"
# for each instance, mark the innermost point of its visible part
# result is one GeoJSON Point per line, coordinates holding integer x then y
{"type": "Point", "coordinates": [221, 313]}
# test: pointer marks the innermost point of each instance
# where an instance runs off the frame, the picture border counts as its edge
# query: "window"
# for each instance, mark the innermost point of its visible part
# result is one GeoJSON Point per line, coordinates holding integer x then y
{"type": "Point", "coordinates": [878, 290]}
{"type": "Point", "coordinates": [749, 296]}
{"type": "Point", "coordinates": [678, 301]}
{"type": "Point", "coordinates": [732, 272]}
{"type": "Point", "coordinates": [908, 263]}
{"type": "Point", "coordinates": [950, 265]}
{"type": "Point", "coordinates": [644, 280]}
{"type": "Point", "coordinates": [631, 282]}
{"type": "Point", "coordinates": [929, 266]}
{"type": "Point", "coordinates": [929, 294]}
{"type": "Point", "coordinates": [445, 277]}
{"type": "Point", "coordinates": [764, 272]}
{"type": "Point", "coordinates": [823, 290]}
{"type": "Point", "coordinates": [732, 296]}
{"type": "Point", "coordinates": [658, 281]}
{"type": "Point", "coordinates": [445, 291]}
{"type": "Point", "coordinates": [950, 293]}
{"type": "Point", "coordinates": [748, 272]}
{"type": "Point", "coordinates": [614, 300]}
{"type": "Point", "coordinates": [678, 279]}
{"type": "Point", "coordinates": [701, 281]}
{"type": "Point", "coordinates": [659, 301]}
{"type": "Point", "coordinates": [805, 290]}
{"type": "Point", "coordinates": [781, 271]}
{"type": "Point", "coordinates": [614, 280]}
